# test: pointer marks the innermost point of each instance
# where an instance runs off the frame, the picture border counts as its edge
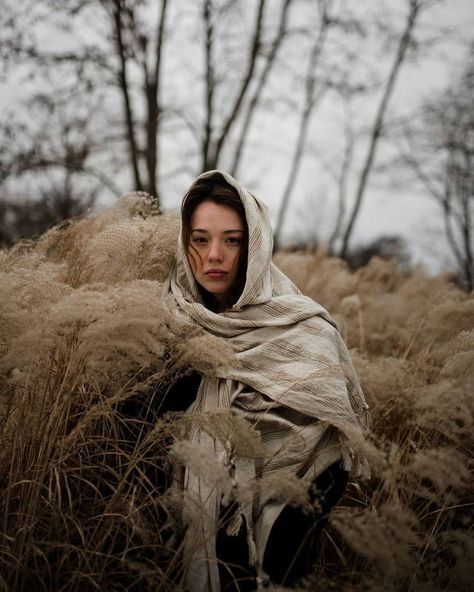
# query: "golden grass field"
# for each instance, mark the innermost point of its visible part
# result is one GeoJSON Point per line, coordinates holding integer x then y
{"type": "Point", "coordinates": [85, 326]}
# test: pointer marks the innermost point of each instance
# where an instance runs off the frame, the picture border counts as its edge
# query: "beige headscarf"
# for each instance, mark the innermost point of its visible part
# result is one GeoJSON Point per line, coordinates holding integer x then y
{"type": "Point", "coordinates": [293, 380]}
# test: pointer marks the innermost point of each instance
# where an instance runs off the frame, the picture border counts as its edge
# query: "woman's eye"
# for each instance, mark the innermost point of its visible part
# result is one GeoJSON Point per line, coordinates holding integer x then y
{"type": "Point", "coordinates": [199, 240]}
{"type": "Point", "coordinates": [233, 240]}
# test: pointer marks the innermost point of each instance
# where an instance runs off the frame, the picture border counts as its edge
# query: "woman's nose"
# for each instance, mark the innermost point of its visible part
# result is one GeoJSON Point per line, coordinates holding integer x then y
{"type": "Point", "coordinates": [215, 252]}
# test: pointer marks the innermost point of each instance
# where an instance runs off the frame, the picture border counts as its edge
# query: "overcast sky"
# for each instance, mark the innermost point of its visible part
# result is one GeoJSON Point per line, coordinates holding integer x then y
{"type": "Point", "coordinates": [404, 210]}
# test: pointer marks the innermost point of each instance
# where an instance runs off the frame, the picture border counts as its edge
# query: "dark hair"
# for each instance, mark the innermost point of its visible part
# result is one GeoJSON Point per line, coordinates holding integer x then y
{"type": "Point", "coordinates": [216, 190]}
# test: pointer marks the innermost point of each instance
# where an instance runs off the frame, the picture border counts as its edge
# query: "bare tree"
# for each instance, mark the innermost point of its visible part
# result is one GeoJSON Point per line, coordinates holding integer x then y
{"type": "Point", "coordinates": [60, 152]}
{"type": "Point", "coordinates": [270, 60]}
{"type": "Point", "coordinates": [131, 67]}
{"type": "Point", "coordinates": [415, 7]}
{"type": "Point", "coordinates": [140, 44]}
{"type": "Point", "coordinates": [131, 64]}
{"type": "Point", "coordinates": [441, 153]}
{"type": "Point", "coordinates": [313, 92]}
{"type": "Point", "coordinates": [221, 64]}
{"type": "Point", "coordinates": [214, 135]}
{"type": "Point", "coordinates": [24, 217]}
{"type": "Point", "coordinates": [323, 74]}
{"type": "Point", "coordinates": [343, 173]}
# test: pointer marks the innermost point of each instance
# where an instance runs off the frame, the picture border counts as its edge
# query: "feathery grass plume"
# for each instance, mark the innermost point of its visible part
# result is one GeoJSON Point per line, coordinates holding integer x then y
{"type": "Point", "coordinates": [200, 461]}
{"type": "Point", "coordinates": [448, 319]}
{"type": "Point", "coordinates": [128, 241]}
{"type": "Point", "coordinates": [234, 432]}
{"type": "Point", "coordinates": [455, 356]}
{"type": "Point", "coordinates": [92, 340]}
{"type": "Point", "coordinates": [445, 413]}
{"type": "Point", "coordinates": [327, 280]}
{"type": "Point", "coordinates": [20, 305]}
{"type": "Point", "coordinates": [127, 250]}
{"type": "Point", "coordinates": [387, 383]}
{"type": "Point", "coordinates": [438, 474]}
{"type": "Point", "coordinates": [385, 536]}
{"type": "Point", "coordinates": [202, 352]}
{"type": "Point", "coordinates": [291, 490]}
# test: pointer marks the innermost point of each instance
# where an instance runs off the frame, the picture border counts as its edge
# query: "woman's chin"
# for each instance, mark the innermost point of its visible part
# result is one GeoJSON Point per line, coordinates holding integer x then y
{"type": "Point", "coordinates": [216, 291]}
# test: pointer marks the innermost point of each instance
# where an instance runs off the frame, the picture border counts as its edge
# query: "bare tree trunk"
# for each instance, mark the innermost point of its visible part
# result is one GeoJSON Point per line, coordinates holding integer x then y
{"type": "Point", "coordinates": [311, 98]}
{"type": "Point", "coordinates": [446, 198]}
{"type": "Point", "coordinates": [124, 86]}
{"type": "Point", "coordinates": [461, 220]}
{"type": "Point", "coordinates": [152, 84]}
{"type": "Point", "coordinates": [270, 61]}
{"type": "Point", "coordinates": [342, 185]}
{"type": "Point", "coordinates": [467, 244]}
{"type": "Point", "coordinates": [464, 217]}
{"type": "Point", "coordinates": [447, 213]}
{"type": "Point", "coordinates": [257, 36]}
{"type": "Point", "coordinates": [210, 85]}
{"type": "Point", "coordinates": [403, 45]}
{"type": "Point", "coordinates": [212, 148]}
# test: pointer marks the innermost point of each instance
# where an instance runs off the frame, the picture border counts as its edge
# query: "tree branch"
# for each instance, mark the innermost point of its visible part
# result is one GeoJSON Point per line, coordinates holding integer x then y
{"type": "Point", "coordinates": [154, 107]}
{"type": "Point", "coordinates": [209, 85]}
{"type": "Point", "coordinates": [245, 82]}
{"type": "Point", "coordinates": [269, 63]}
{"type": "Point", "coordinates": [124, 87]}
{"type": "Point", "coordinates": [311, 98]}
{"type": "Point", "coordinates": [403, 45]}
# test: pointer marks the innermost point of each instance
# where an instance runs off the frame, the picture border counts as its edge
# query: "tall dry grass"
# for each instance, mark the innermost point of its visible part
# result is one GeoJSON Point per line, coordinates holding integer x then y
{"type": "Point", "coordinates": [86, 335]}
{"type": "Point", "coordinates": [412, 342]}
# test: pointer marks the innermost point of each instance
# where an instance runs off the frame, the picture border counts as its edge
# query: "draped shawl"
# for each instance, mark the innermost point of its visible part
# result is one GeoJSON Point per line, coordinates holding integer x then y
{"type": "Point", "coordinates": [293, 380]}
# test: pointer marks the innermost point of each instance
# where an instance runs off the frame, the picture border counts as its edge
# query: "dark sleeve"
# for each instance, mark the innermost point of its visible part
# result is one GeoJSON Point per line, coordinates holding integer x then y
{"type": "Point", "coordinates": [138, 415]}
{"type": "Point", "coordinates": [180, 395]}
{"type": "Point", "coordinates": [294, 536]}
{"type": "Point", "coordinates": [148, 407]}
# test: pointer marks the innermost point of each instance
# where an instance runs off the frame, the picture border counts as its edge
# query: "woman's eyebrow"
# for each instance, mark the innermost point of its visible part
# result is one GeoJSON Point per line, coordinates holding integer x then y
{"type": "Point", "coordinates": [224, 232]}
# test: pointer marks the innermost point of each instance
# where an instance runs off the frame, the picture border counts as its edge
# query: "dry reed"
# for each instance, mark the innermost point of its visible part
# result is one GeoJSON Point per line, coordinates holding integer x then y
{"type": "Point", "coordinates": [87, 339]}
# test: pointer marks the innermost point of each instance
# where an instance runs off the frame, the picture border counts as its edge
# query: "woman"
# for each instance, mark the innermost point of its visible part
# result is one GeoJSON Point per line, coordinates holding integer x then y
{"type": "Point", "coordinates": [292, 380]}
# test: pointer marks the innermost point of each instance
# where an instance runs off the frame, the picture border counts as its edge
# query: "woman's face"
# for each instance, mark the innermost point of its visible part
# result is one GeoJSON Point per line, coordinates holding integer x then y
{"type": "Point", "coordinates": [217, 233]}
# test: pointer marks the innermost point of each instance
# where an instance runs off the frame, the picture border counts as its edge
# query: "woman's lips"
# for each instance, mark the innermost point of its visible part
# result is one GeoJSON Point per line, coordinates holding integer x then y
{"type": "Point", "coordinates": [216, 274]}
